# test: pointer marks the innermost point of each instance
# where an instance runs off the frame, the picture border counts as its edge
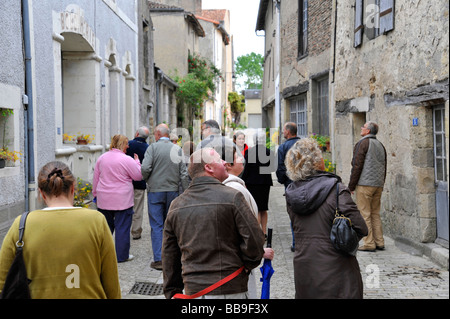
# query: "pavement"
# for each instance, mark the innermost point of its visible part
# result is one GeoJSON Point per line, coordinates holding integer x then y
{"type": "Point", "coordinates": [404, 270]}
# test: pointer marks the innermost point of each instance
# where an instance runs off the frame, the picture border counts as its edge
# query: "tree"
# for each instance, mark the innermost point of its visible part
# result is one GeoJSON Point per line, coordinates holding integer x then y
{"type": "Point", "coordinates": [237, 103]}
{"type": "Point", "coordinates": [249, 68]}
{"type": "Point", "coordinates": [194, 89]}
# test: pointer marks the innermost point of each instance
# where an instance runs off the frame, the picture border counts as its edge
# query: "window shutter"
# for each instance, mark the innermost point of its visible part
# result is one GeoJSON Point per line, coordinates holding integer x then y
{"type": "Point", "coordinates": [386, 16]}
{"type": "Point", "coordinates": [359, 26]}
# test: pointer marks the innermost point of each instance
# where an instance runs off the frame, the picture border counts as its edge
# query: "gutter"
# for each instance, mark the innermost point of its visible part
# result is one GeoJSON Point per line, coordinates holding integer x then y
{"type": "Point", "coordinates": [28, 110]}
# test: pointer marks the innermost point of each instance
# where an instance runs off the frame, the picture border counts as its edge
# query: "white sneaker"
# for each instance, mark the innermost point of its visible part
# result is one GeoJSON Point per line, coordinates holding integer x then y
{"type": "Point", "coordinates": [130, 257]}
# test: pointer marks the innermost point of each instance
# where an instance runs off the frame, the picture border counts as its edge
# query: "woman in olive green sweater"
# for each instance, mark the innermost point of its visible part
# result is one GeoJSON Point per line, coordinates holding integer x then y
{"type": "Point", "coordinates": [68, 251]}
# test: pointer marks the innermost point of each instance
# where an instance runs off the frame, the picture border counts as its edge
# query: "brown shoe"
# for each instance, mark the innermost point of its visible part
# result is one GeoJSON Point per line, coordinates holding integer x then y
{"type": "Point", "coordinates": [156, 265]}
{"type": "Point", "coordinates": [365, 248]}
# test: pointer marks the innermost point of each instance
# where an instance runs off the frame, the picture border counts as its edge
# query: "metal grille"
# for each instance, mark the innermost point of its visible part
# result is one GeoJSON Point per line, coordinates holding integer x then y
{"type": "Point", "coordinates": [147, 289]}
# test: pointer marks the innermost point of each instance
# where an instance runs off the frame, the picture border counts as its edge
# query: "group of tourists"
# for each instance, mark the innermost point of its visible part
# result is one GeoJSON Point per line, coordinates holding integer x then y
{"type": "Point", "coordinates": [208, 213]}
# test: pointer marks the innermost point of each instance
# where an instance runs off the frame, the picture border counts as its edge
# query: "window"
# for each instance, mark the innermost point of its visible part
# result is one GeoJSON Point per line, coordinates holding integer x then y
{"type": "Point", "coordinates": [440, 162]}
{"type": "Point", "coordinates": [320, 107]}
{"type": "Point", "coordinates": [298, 115]}
{"type": "Point", "coordinates": [373, 17]}
{"type": "Point", "coordinates": [302, 28]}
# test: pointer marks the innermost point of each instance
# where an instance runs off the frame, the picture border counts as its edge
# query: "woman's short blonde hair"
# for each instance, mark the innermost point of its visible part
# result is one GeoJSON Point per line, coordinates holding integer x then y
{"type": "Point", "coordinates": [303, 159]}
{"type": "Point", "coordinates": [119, 141]}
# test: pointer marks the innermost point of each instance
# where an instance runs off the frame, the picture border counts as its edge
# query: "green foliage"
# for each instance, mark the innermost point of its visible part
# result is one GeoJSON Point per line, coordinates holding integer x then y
{"type": "Point", "coordinates": [237, 102]}
{"type": "Point", "coordinates": [83, 193]}
{"type": "Point", "coordinates": [329, 166]}
{"type": "Point", "coordinates": [195, 87]}
{"type": "Point", "coordinates": [192, 91]}
{"type": "Point", "coordinates": [250, 68]}
{"type": "Point", "coordinates": [321, 139]}
{"type": "Point", "coordinates": [4, 114]}
{"type": "Point", "coordinates": [204, 71]}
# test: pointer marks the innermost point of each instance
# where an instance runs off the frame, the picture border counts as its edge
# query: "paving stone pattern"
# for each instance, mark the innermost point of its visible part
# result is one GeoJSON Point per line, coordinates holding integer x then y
{"type": "Point", "coordinates": [389, 274]}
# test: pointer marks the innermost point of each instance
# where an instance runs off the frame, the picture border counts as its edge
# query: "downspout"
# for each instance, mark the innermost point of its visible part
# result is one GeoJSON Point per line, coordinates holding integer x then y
{"type": "Point", "coordinates": [278, 117]}
{"type": "Point", "coordinates": [333, 100]}
{"type": "Point", "coordinates": [158, 84]}
{"type": "Point", "coordinates": [28, 110]}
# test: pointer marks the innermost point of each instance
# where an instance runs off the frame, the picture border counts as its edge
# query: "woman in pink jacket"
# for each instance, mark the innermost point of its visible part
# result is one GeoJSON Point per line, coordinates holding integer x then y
{"type": "Point", "coordinates": [113, 188]}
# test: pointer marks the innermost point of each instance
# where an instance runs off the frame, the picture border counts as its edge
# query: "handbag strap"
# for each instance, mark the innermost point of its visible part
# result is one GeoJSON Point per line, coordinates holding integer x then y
{"type": "Point", "coordinates": [23, 219]}
{"type": "Point", "coordinates": [210, 288]}
{"type": "Point", "coordinates": [337, 198]}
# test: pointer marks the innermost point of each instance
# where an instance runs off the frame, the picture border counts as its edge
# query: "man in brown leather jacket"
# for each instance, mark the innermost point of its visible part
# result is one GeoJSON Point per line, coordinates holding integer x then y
{"type": "Point", "coordinates": [210, 232]}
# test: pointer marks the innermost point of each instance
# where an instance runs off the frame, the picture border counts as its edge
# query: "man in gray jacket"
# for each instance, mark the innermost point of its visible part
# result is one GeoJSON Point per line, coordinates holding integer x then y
{"type": "Point", "coordinates": [162, 169]}
{"type": "Point", "coordinates": [367, 178]}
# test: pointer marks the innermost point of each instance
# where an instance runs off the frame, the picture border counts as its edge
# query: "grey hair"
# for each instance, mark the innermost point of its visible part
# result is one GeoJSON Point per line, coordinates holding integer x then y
{"type": "Point", "coordinates": [303, 159]}
{"type": "Point", "coordinates": [373, 127]}
{"type": "Point", "coordinates": [143, 132]}
{"type": "Point", "coordinates": [163, 130]}
{"type": "Point", "coordinates": [215, 128]}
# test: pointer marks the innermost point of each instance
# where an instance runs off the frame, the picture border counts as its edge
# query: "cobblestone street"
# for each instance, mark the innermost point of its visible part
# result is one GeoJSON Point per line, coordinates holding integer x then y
{"type": "Point", "coordinates": [394, 273]}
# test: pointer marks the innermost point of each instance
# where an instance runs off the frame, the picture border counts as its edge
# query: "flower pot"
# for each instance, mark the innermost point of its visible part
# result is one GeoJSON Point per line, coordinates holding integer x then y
{"type": "Point", "coordinates": [82, 142]}
{"type": "Point", "coordinates": [328, 146]}
{"type": "Point", "coordinates": [2, 163]}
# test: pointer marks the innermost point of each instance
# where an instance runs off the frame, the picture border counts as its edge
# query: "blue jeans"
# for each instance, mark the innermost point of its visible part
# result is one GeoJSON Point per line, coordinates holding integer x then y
{"type": "Point", "coordinates": [158, 206]}
{"type": "Point", "coordinates": [120, 221]}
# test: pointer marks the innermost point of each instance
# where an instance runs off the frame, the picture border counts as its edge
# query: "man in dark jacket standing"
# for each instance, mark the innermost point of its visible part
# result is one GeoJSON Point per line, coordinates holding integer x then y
{"type": "Point", "coordinates": [367, 178]}
{"type": "Point", "coordinates": [210, 233]}
{"type": "Point", "coordinates": [290, 134]}
{"type": "Point", "coordinates": [138, 146]}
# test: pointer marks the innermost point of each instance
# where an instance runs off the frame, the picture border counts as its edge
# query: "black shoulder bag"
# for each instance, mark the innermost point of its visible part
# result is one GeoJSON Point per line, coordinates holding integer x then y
{"type": "Point", "coordinates": [343, 236]}
{"type": "Point", "coordinates": [16, 283]}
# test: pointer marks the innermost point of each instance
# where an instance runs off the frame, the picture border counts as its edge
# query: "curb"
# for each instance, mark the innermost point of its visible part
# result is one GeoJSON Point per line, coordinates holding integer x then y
{"type": "Point", "coordinates": [437, 253]}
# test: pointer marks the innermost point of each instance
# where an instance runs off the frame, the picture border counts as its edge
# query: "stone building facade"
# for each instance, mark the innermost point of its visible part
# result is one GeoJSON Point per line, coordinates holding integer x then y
{"type": "Point", "coordinates": [391, 67]}
{"type": "Point", "coordinates": [77, 74]}
{"type": "Point", "coordinates": [305, 65]}
{"type": "Point", "coordinates": [299, 54]}
{"type": "Point", "coordinates": [344, 63]}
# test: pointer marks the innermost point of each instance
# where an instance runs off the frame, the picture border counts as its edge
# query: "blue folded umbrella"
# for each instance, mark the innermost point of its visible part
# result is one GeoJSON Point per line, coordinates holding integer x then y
{"type": "Point", "coordinates": [267, 270]}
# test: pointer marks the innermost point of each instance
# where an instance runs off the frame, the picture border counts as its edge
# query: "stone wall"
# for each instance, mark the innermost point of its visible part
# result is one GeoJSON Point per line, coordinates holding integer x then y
{"type": "Point", "coordinates": [392, 79]}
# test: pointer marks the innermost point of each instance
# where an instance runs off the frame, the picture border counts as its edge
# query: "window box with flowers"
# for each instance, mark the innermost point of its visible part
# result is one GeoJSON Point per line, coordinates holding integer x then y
{"type": "Point", "coordinates": [8, 156]}
{"type": "Point", "coordinates": [79, 138]}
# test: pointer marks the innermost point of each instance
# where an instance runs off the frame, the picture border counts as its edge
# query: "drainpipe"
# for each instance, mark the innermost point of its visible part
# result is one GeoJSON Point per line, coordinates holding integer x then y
{"type": "Point", "coordinates": [333, 73]}
{"type": "Point", "coordinates": [28, 110]}
{"type": "Point", "coordinates": [277, 62]}
{"type": "Point", "coordinates": [158, 83]}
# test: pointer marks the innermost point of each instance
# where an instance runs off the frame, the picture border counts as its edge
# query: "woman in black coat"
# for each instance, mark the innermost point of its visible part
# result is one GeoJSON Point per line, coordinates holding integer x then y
{"type": "Point", "coordinates": [320, 271]}
{"type": "Point", "coordinates": [260, 162]}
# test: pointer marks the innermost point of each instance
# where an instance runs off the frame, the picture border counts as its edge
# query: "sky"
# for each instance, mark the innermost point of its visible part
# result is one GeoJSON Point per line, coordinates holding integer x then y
{"type": "Point", "coordinates": [243, 15]}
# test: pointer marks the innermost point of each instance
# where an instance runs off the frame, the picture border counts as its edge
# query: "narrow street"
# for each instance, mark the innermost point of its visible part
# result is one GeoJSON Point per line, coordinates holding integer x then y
{"type": "Point", "coordinates": [396, 273]}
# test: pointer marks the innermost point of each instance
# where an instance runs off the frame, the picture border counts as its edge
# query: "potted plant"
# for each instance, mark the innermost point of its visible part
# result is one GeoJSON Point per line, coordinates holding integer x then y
{"type": "Point", "coordinates": [322, 140]}
{"type": "Point", "coordinates": [83, 194]}
{"type": "Point", "coordinates": [7, 155]}
{"type": "Point", "coordinates": [83, 139]}
{"type": "Point", "coordinates": [330, 166]}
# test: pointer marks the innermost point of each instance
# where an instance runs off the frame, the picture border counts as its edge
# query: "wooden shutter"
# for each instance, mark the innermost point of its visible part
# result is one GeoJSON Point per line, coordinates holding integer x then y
{"type": "Point", "coordinates": [359, 26]}
{"type": "Point", "coordinates": [386, 16]}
